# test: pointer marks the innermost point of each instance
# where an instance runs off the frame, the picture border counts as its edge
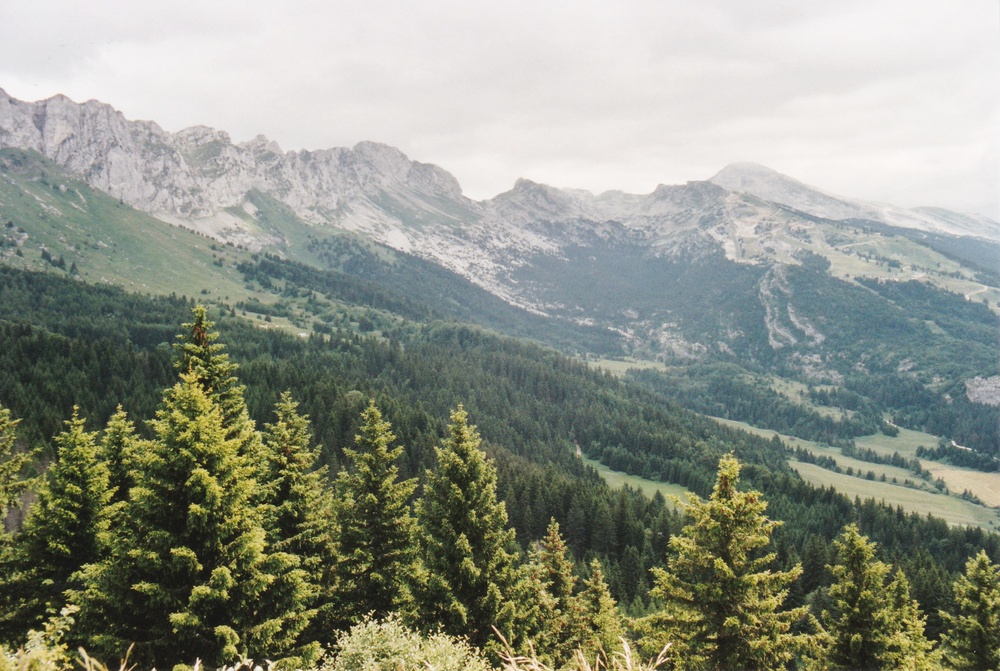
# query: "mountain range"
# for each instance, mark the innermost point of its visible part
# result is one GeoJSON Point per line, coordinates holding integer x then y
{"type": "Point", "coordinates": [749, 266]}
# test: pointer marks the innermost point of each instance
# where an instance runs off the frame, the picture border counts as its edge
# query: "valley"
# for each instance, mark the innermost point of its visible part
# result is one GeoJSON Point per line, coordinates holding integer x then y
{"type": "Point", "coordinates": [612, 349]}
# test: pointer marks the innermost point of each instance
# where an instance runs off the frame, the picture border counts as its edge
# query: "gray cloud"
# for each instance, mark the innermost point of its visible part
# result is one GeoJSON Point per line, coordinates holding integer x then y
{"type": "Point", "coordinates": [886, 100]}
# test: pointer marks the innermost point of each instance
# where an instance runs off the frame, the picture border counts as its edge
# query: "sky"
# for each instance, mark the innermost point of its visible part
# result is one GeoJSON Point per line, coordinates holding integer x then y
{"type": "Point", "coordinates": [892, 101]}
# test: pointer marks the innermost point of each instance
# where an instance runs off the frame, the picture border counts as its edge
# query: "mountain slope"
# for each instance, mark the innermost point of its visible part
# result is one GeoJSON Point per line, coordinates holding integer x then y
{"type": "Point", "coordinates": [749, 268]}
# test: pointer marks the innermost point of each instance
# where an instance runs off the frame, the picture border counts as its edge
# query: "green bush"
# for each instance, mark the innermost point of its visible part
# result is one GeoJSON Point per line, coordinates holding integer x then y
{"type": "Point", "coordinates": [388, 645]}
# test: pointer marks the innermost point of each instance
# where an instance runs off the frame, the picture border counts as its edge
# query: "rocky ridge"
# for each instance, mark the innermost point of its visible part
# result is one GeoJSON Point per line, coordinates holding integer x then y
{"type": "Point", "coordinates": [198, 177]}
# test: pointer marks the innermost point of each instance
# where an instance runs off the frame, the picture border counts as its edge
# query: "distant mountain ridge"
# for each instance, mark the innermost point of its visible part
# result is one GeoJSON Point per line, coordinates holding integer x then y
{"type": "Point", "coordinates": [534, 245]}
{"type": "Point", "coordinates": [195, 174]}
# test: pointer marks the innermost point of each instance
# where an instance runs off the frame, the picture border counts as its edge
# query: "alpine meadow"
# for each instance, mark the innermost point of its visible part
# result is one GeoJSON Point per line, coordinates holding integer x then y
{"type": "Point", "coordinates": [319, 410]}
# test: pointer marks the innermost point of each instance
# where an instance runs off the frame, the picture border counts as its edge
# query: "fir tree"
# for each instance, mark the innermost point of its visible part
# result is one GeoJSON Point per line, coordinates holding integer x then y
{"type": "Point", "coordinates": [119, 447]}
{"type": "Point", "coordinates": [470, 580]}
{"type": "Point", "coordinates": [601, 624]}
{"type": "Point", "coordinates": [11, 464]}
{"type": "Point", "coordinates": [63, 531]}
{"type": "Point", "coordinates": [559, 617]}
{"type": "Point", "coordinates": [722, 599]}
{"type": "Point", "coordinates": [301, 509]}
{"type": "Point", "coordinates": [192, 580]}
{"type": "Point", "coordinates": [908, 648]}
{"type": "Point", "coordinates": [201, 356]}
{"type": "Point", "coordinates": [870, 625]}
{"type": "Point", "coordinates": [377, 548]}
{"type": "Point", "coordinates": [972, 633]}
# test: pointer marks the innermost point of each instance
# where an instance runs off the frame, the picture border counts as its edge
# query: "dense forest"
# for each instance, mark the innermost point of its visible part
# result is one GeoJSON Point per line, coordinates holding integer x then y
{"type": "Point", "coordinates": [122, 430]}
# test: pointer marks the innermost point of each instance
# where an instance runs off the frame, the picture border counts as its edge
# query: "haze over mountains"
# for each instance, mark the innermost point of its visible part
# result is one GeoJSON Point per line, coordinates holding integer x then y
{"type": "Point", "coordinates": [748, 296]}
{"type": "Point", "coordinates": [197, 174]}
{"type": "Point", "coordinates": [533, 245]}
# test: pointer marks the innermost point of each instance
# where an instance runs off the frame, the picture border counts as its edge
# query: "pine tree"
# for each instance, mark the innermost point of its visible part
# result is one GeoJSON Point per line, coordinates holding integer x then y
{"type": "Point", "coordinates": [869, 624]}
{"type": "Point", "coordinates": [377, 544]}
{"type": "Point", "coordinates": [722, 599]}
{"type": "Point", "coordinates": [601, 624]}
{"type": "Point", "coordinates": [470, 580]}
{"type": "Point", "coordinates": [301, 509]}
{"type": "Point", "coordinates": [972, 633]}
{"type": "Point", "coordinates": [908, 648]}
{"type": "Point", "coordinates": [560, 619]}
{"type": "Point", "coordinates": [119, 448]}
{"type": "Point", "coordinates": [64, 529]}
{"type": "Point", "coordinates": [192, 579]}
{"type": "Point", "coordinates": [11, 464]}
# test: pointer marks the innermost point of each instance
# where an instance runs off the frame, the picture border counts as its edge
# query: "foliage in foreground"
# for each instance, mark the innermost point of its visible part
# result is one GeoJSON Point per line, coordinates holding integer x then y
{"type": "Point", "coordinates": [198, 558]}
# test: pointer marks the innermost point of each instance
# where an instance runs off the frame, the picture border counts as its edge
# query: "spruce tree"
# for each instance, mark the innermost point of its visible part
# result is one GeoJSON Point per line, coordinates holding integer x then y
{"type": "Point", "coordinates": [559, 616]}
{"type": "Point", "coordinates": [601, 624]}
{"type": "Point", "coordinates": [722, 599]}
{"type": "Point", "coordinates": [870, 624]}
{"type": "Point", "coordinates": [301, 509]}
{"type": "Point", "coordinates": [377, 544]}
{"type": "Point", "coordinates": [192, 578]}
{"type": "Point", "coordinates": [64, 530]}
{"type": "Point", "coordinates": [908, 648]}
{"type": "Point", "coordinates": [11, 465]}
{"type": "Point", "coordinates": [972, 633]}
{"type": "Point", "coordinates": [200, 355]}
{"type": "Point", "coordinates": [119, 448]}
{"type": "Point", "coordinates": [469, 579]}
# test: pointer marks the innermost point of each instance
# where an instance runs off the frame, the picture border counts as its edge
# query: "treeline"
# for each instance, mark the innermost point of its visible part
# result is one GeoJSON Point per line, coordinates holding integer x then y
{"type": "Point", "coordinates": [215, 541]}
{"type": "Point", "coordinates": [533, 407]}
{"type": "Point", "coordinates": [730, 392]}
{"type": "Point", "coordinates": [960, 456]}
{"type": "Point", "coordinates": [416, 289]}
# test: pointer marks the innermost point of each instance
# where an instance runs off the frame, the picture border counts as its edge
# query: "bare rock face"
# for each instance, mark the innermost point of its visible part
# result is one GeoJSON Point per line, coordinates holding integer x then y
{"type": "Point", "coordinates": [198, 171]}
{"type": "Point", "coordinates": [197, 176]}
{"type": "Point", "coordinates": [984, 390]}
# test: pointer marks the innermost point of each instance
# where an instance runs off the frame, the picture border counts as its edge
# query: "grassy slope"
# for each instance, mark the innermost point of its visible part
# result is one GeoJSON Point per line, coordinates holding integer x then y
{"type": "Point", "coordinates": [926, 500]}
{"type": "Point", "coordinates": [109, 242]}
{"type": "Point", "coordinates": [617, 479]}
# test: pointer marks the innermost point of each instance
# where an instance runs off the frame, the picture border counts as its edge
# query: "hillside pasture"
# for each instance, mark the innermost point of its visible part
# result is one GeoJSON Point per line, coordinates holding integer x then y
{"type": "Point", "coordinates": [953, 510]}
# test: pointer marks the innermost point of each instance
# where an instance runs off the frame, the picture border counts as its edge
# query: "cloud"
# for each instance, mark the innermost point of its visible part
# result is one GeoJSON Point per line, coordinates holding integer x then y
{"type": "Point", "coordinates": [886, 100]}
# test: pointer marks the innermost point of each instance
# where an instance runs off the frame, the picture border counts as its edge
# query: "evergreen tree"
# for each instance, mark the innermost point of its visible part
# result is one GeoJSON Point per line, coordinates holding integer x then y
{"type": "Point", "coordinates": [909, 648]}
{"type": "Point", "coordinates": [201, 356]}
{"type": "Point", "coordinates": [972, 633]}
{"type": "Point", "coordinates": [192, 580]}
{"type": "Point", "coordinates": [469, 582]}
{"type": "Point", "coordinates": [870, 625]}
{"type": "Point", "coordinates": [11, 464]}
{"type": "Point", "coordinates": [722, 600]}
{"type": "Point", "coordinates": [377, 548]}
{"type": "Point", "coordinates": [560, 619]}
{"type": "Point", "coordinates": [63, 531]}
{"type": "Point", "coordinates": [301, 509]}
{"type": "Point", "coordinates": [601, 624]}
{"type": "Point", "coordinates": [119, 447]}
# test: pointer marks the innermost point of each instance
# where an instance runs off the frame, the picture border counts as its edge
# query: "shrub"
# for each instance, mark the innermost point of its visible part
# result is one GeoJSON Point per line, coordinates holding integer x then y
{"type": "Point", "coordinates": [388, 645]}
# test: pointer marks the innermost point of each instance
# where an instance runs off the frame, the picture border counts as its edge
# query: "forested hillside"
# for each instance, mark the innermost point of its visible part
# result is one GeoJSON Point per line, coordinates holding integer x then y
{"type": "Point", "coordinates": [95, 348]}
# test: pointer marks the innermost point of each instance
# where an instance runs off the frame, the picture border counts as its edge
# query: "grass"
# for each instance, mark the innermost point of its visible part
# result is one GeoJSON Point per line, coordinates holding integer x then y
{"type": "Point", "coordinates": [617, 479]}
{"type": "Point", "coordinates": [798, 393]}
{"type": "Point", "coordinates": [623, 365]}
{"type": "Point", "coordinates": [906, 443]}
{"type": "Point", "coordinates": [948, 507]}
{"type": "Point", "coordinates": [953, 510]}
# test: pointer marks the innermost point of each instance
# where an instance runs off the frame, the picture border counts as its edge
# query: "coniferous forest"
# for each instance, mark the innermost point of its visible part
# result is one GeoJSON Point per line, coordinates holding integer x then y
{"type": "Point", "coordinates": [180, 485]}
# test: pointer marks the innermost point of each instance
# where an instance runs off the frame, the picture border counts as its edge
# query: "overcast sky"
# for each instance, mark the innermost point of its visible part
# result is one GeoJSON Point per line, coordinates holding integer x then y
{"type": "Point", "coordinates": [886, 100]}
